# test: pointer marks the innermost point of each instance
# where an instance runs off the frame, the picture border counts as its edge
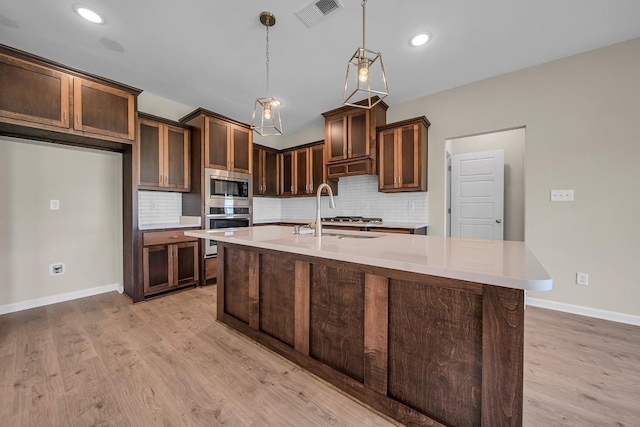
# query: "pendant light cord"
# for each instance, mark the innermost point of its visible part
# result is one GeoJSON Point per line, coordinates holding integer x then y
{"type": "Point", "coordinates": [364, 6]}
{"type": "Point", "coordinates": [268, 25]}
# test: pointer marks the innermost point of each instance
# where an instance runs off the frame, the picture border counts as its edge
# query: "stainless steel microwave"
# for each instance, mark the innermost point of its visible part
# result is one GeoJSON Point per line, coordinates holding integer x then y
{"type": "Point", "coordinates": [224, 188]}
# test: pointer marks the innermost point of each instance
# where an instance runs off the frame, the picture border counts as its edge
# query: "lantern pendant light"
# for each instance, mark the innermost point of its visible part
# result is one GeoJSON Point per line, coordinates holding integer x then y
{"type": "Point", "coordinates": [365, 66]}
{"type": "Point", "coordinates": [267, 108]}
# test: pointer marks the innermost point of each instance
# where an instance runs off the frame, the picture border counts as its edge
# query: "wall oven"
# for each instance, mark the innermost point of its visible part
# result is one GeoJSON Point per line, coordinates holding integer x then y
{"type": "Point", "coordinates": [228, 203]}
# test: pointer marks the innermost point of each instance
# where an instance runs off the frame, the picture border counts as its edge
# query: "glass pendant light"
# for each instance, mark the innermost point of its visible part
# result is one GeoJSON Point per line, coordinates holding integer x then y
{"type": "Point", "coordinates": [367, 78]}
{"type": "Point", "coordinates": [267, 109]}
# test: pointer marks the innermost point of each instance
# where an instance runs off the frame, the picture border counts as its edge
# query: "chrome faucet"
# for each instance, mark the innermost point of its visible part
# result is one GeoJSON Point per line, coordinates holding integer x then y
{"type": "Point", "coordinates": [332, 205]}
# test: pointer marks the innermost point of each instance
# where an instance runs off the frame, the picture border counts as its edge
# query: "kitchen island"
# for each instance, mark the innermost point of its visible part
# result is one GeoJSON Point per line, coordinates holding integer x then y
{"type": "Point", "coordinates": [428, 330]}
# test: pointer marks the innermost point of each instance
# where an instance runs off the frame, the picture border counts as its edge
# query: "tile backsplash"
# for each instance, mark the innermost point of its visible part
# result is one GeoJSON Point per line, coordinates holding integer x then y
{"type": "Point", "coordinates": [159, 207]}
{"type": "Point", "coordinates": [357, 195]}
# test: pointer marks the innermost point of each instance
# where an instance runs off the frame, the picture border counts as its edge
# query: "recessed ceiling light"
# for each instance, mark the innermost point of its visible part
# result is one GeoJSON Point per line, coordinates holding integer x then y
{"type": "Point", "coordinates": [89, 14]}
{"type": "Point", "coordinates": [420, 39]}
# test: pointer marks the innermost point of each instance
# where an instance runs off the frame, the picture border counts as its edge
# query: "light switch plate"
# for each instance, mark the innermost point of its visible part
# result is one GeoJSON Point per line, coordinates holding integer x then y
{"type": "Point", "coordinates": [562, 195]}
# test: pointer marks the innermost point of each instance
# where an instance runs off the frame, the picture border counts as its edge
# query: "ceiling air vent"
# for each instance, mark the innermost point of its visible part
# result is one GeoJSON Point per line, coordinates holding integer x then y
{"type": "Point", "coordinates": [316, 11]}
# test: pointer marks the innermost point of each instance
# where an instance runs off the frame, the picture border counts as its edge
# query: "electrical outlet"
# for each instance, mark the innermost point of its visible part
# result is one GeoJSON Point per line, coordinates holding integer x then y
{"type": "Point", "coordinates": [411, 206]}
{"type": "Point", "coordinates": [56, 269]}
{"type": "Point", "coordinates": [54, 205]}
{"type": "Point", "coordinates": [562, 195]}
{"type": "Point", "coordinates": [154, 204]}
{"type": "Point", "coordinates": [582, 279]}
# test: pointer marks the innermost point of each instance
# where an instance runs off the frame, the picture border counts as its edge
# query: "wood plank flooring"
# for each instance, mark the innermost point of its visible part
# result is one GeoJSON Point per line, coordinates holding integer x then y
{"type": "Point", "coordinates": [103, 361]}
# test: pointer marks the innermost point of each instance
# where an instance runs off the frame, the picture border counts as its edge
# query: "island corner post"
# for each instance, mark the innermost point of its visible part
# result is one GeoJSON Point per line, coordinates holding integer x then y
{"type": "Point", "coordinates": [422, 349]}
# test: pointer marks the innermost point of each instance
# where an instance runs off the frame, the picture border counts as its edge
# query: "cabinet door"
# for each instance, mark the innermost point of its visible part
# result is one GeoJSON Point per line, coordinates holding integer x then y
{"type": "Point", "coordinates": [270, 168]}
{"type": "Point", "coordinates": [242, 149]}
{"type": "Point", "coordinates": [258, 171]}
{"type": "Point", "coordinates": [408, 157]}
{"type": "Point", "coordinates": [216, 144]}
{"type": "Point", "coordinates": [287, 173]}
{"type": "Point", "coordinates": [336, 138]}
{"type": "Point", "coordinates": [318, 168]}
{"type": "Point", "coordinates": [301, 184]}
{"type": "Point", "coordinates": [185, 263]}
{"type": "Point", "coordinates": [33, 93]}
{"type": "Point", "coordinates": [358, 135]}
{"type": "Point", "coordinates": [103, 110]}
{"type": "Point", "coordinates": [150, 154]}
{"type": "Point", "coordinates": [176, 158]}
{"type": "Point", "coordinates": [158, 264]}
{"type": "Point", "coordinates": [387, 176]}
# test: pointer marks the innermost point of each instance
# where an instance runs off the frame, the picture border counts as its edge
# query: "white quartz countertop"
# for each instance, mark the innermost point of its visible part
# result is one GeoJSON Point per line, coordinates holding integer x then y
{"type": "Point", "coordinates": [405, 225]}
{"type": "Point", "coordinates": [492, 262]}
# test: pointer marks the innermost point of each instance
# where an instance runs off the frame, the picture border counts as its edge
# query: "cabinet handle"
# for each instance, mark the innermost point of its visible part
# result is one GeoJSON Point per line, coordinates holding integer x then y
{"type": "Point", "coordinates": [64, 116]}
{"type": "Point", "coordinates": [400, 180]}
{"type": "Point", "coordinates": [292, 188]}
{"type": "Point", "coordinates": [78, 118]}
{"type": "Point", "coordinates": [160, 179]}
{"type": "Point", "coordinates": [395, 179]}
{"type": "Point", "coordinates": [173, 237]}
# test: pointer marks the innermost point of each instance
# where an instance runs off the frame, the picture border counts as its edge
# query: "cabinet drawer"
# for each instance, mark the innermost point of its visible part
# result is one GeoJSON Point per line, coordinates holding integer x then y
{"type": "Point", "coordinates": [165, 238]}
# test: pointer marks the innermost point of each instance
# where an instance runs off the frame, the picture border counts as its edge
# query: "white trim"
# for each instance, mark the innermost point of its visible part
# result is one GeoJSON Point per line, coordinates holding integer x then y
{"type": "Point", "coordinates": [53, 299]}
{"type": "Point", "coordinates": [584, 311]}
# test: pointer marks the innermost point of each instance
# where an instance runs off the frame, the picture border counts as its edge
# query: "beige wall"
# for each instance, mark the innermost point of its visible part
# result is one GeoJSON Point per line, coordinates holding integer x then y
{"type": "Point", "coordinates": [513, 143]}
{"type": "Point", "coordinates": [581, 115]}
{"type": "Point", "coordinates": [85, 234]}
{"type": "Point", "coordinates": [162, 107]}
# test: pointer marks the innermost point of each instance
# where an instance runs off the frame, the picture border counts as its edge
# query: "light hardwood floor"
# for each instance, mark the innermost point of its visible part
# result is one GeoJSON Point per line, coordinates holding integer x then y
{"type": "Point", "coordinates": [103, 361]}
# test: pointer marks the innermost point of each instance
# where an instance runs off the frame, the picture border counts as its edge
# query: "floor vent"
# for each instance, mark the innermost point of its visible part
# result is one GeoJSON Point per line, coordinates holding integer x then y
{"type": "Point", "coordinates": [316, 11]}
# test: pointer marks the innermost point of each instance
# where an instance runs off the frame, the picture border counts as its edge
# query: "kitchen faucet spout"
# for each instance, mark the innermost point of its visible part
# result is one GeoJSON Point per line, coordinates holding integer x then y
{"type": "Point", "coordinates": [332, 205]}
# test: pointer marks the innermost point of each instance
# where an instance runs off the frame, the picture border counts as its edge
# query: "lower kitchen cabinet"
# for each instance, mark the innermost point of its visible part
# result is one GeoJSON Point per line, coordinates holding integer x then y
{"type": "Point", "coordinates": [170, 260]}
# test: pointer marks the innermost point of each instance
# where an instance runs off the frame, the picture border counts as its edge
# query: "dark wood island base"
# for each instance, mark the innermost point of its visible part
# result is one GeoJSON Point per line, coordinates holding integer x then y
{"type": "Point", "coordinates": [424, 350]}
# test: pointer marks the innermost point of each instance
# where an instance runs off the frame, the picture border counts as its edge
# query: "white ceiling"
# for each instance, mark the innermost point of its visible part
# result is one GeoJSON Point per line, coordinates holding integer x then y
{"type": "Point", "coordinates": [211, 53]}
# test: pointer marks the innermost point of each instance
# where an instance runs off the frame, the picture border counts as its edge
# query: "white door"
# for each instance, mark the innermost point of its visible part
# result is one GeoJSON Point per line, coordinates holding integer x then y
{"type": "Point", "coordinates": [477, 195]}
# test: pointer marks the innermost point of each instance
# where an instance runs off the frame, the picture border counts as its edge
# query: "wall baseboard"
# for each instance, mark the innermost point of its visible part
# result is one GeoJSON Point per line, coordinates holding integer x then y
{"type": "Point", "coordinates": [584, 311]}
{"type": "Point", "coordinates": [53, 299]}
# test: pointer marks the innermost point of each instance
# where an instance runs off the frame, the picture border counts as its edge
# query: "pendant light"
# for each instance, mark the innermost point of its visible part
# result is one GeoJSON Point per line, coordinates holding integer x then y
{"type": "Point", "coordinates": [367, 75]}
{"type": "Point", "coordinates": [267, 108]}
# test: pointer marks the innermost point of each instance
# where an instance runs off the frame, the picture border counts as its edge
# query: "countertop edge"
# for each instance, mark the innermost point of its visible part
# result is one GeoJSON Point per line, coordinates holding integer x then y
{"type": "Point", "coordinates": [529, 284]}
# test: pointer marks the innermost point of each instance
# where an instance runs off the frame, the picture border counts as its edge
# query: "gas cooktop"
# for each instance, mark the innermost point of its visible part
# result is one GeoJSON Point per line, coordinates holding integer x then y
{"type": "Point", "coordinates": [353, 219]}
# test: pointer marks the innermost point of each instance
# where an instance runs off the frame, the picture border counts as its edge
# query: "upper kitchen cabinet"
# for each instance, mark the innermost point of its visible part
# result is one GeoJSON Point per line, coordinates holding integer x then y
{"type": "Point", "coordinates": [103, 110]}
{"type": "Point", "coordinates": [228, 144]}
{"type": "Point", "coordinates": [304, 169]}
{"type": "Point", "coordinates": [39, 96]}
{"type": "Point", "coordinates": [33, 93]}
{"type": "Point", "coordinates": [350, 139]}
{"type": "Point", "coordinates": [265, 171]}
{"type": "Point", "coordinates": [403, 155]}
{"type": "Point", "coordinates": [164, 154]}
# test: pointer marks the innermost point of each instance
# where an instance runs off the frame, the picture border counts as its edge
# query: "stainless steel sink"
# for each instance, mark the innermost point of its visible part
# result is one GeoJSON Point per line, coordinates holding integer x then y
{"type": "Point", "coordinates": [351, 236]}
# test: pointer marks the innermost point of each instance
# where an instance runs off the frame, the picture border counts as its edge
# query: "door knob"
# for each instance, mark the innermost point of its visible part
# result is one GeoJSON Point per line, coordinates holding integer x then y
{"type": "Point", "coordinates": [498, 221]}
